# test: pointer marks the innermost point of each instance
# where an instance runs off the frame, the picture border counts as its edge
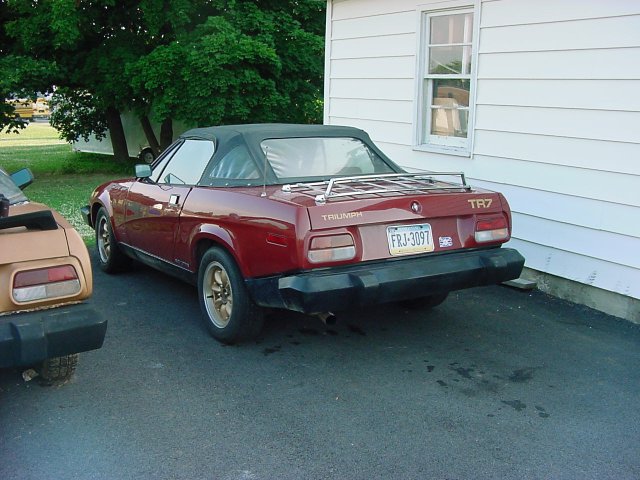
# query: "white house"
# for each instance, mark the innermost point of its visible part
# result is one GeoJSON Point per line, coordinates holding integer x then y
{"type": "Point", "coordinates": [538, 99]}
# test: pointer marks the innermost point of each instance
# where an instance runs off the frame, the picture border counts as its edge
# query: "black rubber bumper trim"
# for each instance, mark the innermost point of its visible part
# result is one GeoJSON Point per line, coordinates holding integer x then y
{"type": "Point", "coordinates": [340, 288]}
{"type": "Point", "coordinates": [30, 337]}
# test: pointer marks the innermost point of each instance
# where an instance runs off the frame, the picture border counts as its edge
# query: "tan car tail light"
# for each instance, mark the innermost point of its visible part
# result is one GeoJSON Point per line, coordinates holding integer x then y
{"type": "Point", "coordinates": [45, 283]}
{"type": "Point", "coordinates": [331, 248]}
{"type": "Point", "coordinates": [491, 229]}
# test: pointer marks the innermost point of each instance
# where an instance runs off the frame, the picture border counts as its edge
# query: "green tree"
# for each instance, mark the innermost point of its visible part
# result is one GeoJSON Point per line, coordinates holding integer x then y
{"type": "Point", "coordinates": [200, 62]}
{"type": "Point", "coordinates": [21, 75]}
{"type": "Point", "coordinates": [71, 42]}
{"type": "Point", "coordinates": [259, 61]}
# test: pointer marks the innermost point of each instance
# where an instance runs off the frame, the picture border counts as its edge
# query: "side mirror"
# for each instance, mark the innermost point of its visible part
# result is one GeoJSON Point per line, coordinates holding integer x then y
{"type": "Point", "coordinates": [143, 171]}
{"type": "Point", "coordinates": [22, 178]}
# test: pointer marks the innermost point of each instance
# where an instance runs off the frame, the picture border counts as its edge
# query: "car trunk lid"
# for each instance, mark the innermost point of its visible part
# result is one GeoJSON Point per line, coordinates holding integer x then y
{"type": "Point", "coordinates": [48, 242]}
{"type": "Point", "coordinates": [395, 215]}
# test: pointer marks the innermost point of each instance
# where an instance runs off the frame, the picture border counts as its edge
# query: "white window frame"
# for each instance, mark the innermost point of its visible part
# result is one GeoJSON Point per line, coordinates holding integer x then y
{"type": "Point", "coordinates": [422, 140]}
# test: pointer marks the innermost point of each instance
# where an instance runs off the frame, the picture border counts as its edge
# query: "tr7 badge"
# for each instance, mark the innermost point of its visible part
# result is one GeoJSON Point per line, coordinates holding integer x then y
{"type": "Point", "coordinates": [480, 202]}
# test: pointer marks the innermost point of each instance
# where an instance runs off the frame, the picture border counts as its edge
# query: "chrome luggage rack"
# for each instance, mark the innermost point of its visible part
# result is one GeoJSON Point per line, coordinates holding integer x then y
{"type": "Point", "coordinates": [377, 185]}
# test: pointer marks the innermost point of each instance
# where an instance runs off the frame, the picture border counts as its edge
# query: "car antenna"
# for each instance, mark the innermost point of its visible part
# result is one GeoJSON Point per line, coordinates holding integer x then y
{"type": "Point", "coordinates": [264, 172]}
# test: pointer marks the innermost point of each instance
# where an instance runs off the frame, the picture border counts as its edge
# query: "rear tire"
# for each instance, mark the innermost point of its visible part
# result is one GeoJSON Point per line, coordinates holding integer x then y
{"type": "Point", "coordinates": [110, 257]}
{"type": "Point", "coordinates": [228, 311]}
{"type": "Point", "coordinates": [59, 369]}
{"type": "Point", "coordinates": [424, 303]}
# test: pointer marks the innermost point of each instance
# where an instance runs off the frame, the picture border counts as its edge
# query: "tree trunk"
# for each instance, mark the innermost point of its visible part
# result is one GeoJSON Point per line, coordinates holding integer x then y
{"type": "Point", "coordinates": [166, 133]}
{"type": "Point", "coordinates": [150, 134]}
{"type": "Point", "coordinates": [116, 132]}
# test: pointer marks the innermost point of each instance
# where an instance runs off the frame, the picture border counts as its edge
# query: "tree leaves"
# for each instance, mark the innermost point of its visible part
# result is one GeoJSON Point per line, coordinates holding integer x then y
{"type": "Point", "coordinates": [75, 115]}
{"type": "Point", "coordinates": [200, 62]}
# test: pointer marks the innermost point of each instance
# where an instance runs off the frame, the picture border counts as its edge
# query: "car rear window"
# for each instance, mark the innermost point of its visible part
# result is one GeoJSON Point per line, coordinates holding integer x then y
{"type": "Point", "coordinates": [313, 157]}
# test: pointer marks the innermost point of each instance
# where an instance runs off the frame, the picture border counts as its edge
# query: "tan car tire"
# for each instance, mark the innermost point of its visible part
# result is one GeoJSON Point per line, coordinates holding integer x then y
{"type": "Point", "coordinates": [58, 369]}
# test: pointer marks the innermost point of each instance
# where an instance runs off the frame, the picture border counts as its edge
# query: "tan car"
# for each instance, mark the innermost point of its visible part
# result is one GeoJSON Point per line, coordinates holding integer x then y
{"type": "Point", "coordinates": [45, 277]}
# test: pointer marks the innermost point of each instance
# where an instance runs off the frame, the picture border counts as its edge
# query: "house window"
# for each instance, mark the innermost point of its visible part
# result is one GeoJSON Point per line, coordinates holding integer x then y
{"type": "Point", "coordinates": [446, 79]}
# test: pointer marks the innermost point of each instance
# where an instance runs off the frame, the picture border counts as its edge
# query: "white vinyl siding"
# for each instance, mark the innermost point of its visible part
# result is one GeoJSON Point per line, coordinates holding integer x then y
{"type": "Point", "coordinates": [560, 122]}
{"type": "Point", "coordinates": [373, 67]}
{"type": "Point", "coordinates": [372, 60]}
{"type": "Point", "coordinates": [373, 88]}
{"type": "Point", "coordinates": [612, 64]}
{"type": "Point", "coordinates": [556, 121]}
{"type": "Point", "coordinates": [393, 24]}
{"type": "Point", "coordinates": [375, 47]}
{"type": "Point", "coordinates": [583, 153]}
{"type": "Point", "coordinates": [613, 95]}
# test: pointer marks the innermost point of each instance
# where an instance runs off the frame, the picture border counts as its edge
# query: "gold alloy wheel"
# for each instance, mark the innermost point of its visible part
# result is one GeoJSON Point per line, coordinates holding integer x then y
{"type": "Point", "coordinates": [218, 294]}
{"type": "Point", "coordinates": [103, 239]}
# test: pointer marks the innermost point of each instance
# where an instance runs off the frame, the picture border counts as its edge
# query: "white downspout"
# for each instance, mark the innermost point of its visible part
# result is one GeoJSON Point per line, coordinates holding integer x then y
{"type": "Point", "coordinates": [327, 62]}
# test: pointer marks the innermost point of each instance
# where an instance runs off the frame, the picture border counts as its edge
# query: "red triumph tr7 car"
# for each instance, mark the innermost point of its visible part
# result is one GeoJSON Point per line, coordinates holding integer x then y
{"type": "Point", "coordinates": [309, 218]}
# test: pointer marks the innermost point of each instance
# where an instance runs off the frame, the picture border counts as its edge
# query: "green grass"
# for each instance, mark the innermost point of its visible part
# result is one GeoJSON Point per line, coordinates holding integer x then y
{"type": "Point", "coordinates": [67, 193]}
{"type": "Point", "coordinates": [36, 133]}
{"type": "Point", "coordinates": [64, 178]}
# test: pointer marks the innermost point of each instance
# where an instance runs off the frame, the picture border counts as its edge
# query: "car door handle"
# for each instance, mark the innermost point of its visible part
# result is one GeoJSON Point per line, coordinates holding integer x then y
{"type": "Point", "coordinates": [174, 199]}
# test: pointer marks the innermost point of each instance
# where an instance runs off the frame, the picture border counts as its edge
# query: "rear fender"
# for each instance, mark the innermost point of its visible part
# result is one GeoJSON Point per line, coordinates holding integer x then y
{"type": "Point", "coordinates": [209, 235]}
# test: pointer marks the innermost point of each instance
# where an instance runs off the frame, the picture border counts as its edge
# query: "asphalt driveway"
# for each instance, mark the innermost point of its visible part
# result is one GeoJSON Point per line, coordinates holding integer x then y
{"type": "Point", "coordinates": [495, 383]}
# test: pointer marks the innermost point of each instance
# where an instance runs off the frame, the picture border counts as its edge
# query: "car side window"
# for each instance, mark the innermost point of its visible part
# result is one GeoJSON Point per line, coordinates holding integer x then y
{"type": "Point", "coordinates": [237, 164]}
{"type": "Point", "coordinates": [187, 165]}
{"type": "Point", "coordinates": [162, 160]}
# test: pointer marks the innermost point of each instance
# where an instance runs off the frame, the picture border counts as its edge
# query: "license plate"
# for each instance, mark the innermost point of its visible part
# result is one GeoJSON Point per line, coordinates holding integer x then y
{"type": "Point", "coordinates": [410, 239]}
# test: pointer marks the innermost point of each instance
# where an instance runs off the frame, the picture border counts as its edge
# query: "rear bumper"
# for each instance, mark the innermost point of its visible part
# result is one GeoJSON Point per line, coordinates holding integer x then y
{"type": "Point", "coordinates": [339, 288]}
{"type": "Point", "coordinates": [30, 337]}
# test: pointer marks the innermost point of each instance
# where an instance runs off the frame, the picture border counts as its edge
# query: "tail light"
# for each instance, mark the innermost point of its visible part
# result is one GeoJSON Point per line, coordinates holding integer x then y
{"type": "Point", "coordinates": [491, 229]}
{"type": "Point", "coordinates": [331, 248]}
{"type": "Point", "coordinates": [45, 283]}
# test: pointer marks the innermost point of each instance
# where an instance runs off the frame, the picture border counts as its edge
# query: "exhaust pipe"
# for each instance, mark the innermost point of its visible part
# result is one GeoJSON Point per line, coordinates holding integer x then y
{"type": "Point", "coordinates": [327, 318]}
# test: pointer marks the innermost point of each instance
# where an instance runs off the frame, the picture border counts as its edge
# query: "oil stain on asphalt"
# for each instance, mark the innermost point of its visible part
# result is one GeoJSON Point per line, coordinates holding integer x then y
{"type": "Point", "coordinates": [517, 405]}
{"type": "Point", "coordinates": [474, 381]}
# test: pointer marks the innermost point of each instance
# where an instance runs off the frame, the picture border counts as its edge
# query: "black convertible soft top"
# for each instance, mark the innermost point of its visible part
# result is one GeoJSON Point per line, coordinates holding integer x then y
{"type": "Point", "coordinates": [226, 137]}
{"type": "Point", "coordinates": [256, 132]}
